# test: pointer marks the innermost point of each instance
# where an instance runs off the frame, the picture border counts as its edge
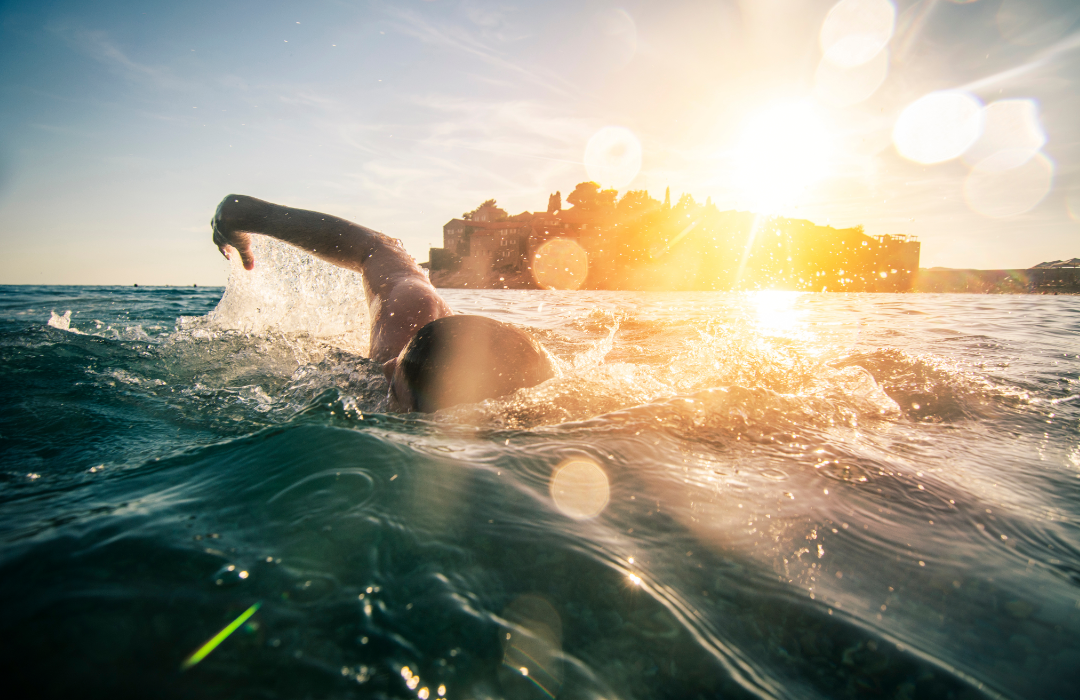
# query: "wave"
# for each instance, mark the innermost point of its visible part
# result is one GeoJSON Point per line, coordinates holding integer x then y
{"type": "Point", "coordinates": [794, 506]}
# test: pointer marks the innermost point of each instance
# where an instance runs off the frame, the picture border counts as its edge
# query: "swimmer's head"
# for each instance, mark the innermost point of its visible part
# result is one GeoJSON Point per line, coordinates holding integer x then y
{"type": "Point", "coordinates": [464, 359]}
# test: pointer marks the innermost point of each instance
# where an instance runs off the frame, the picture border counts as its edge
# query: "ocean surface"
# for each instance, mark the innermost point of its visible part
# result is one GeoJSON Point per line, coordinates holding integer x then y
{"type": "Point", "coordinates": [771, 495]}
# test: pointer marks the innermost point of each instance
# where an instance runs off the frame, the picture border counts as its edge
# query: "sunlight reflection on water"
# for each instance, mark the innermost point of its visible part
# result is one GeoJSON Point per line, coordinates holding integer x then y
{"type": "Point", "coordinates": [776, 312]}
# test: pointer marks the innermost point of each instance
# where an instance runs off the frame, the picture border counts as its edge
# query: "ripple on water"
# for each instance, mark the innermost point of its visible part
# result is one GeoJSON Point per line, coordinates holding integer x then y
{"type": "Point", "coordinates": [796, 503]}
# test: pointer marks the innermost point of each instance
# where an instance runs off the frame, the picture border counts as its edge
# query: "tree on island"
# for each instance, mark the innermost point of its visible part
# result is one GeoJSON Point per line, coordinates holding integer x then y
{"type": "Point", "coordinates": [497, 214]}
{"type": "Point", "coordinates": [588, 196]}
{"type": "Point", "coordinates": [686, 202]}
{"type": "Point", "coordinates": [637, 202]}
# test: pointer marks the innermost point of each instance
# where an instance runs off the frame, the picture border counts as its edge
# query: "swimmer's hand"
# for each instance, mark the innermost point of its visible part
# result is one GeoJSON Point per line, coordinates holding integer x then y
{"type": "Point", "coordinates": [400, 296]}
{"type": "Point", "coordinates": [226, 233]}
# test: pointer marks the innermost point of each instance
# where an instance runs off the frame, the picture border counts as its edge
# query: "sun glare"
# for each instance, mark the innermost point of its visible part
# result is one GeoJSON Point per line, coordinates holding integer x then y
{"type": "Point", "coordinates": [782, 151]}
{"type": "Point", "coordinates": [776, 313]}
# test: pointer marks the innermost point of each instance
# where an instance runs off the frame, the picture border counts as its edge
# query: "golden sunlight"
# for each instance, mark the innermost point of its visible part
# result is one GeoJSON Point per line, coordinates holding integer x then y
{"type": "Point", "coordinates": [783, 149]}
{"type": "Point", "coordinates": [775, 312]}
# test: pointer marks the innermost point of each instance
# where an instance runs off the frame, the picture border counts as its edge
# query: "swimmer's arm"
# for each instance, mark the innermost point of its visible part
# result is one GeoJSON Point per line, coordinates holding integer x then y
{"type": "Point", "coordinates": [330, 238]}
{"type": "Point", "coordinates": [400, 297]}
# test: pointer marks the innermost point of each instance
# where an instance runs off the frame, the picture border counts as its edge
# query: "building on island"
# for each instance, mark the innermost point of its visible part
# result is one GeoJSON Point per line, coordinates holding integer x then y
{"type": "Point", "coordinates": [638, 243]}
{"type": "Point", "coordinates": [490, 243]}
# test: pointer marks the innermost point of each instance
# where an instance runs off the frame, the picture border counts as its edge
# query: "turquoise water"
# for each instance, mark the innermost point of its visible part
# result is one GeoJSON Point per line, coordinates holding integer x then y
{"type": "Point", "coordinates": [807, 495]}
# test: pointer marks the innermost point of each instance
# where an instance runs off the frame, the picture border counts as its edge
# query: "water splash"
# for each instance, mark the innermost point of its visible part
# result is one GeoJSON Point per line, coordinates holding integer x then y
{"type": "Point", "coordinates": [291, 292]}
{"type": "Point", "coordinates": [61, 321]}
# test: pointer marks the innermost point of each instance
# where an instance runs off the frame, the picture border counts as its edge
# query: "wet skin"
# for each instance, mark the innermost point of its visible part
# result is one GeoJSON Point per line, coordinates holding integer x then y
{"type": "Point", "coordinates": [401, 299]}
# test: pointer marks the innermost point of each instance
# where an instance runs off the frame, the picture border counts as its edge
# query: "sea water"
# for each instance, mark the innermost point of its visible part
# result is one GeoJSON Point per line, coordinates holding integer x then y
{"type": "Point", "coordinates": [771, 495]}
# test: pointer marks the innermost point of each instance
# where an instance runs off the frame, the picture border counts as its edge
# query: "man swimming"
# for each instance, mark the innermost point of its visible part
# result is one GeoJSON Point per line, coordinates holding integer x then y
{"type": "Point", "coordinates": [432, 358]}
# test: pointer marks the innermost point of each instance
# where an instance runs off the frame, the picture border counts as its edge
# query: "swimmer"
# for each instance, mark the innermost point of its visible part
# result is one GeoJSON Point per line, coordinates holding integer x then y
{"type": "Point", "coordinates": [432, 358]}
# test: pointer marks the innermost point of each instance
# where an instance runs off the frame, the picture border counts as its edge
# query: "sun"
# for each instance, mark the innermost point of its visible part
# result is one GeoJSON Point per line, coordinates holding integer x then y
{"type": "Point", "coordinates": [781, 151]}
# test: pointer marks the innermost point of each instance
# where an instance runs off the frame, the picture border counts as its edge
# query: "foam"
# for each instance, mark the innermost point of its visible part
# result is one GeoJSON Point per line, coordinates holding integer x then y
{"type": "Point", "coordinates": [290, 291]}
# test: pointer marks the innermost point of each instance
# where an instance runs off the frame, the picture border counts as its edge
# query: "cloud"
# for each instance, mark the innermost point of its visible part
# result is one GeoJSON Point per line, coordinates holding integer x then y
{"type": "Point", "coordinates": [493, 20]}
{"type": "Point", "coordinates": [458, 39]}
{"type": "Point", "coordinates": [525, 127]}
{"type": "Point", "coordinates": [304, 96]}
{"type": "Point", "coordinates": [100, 47]}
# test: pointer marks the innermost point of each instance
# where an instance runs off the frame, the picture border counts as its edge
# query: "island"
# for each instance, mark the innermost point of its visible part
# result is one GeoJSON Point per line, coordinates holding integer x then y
{"type": "Point", "coordinates": [639, 243]}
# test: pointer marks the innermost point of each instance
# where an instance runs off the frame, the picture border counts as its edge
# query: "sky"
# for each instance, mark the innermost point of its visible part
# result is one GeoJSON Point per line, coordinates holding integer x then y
{"type": "Point", "coordinates": [123, 124]}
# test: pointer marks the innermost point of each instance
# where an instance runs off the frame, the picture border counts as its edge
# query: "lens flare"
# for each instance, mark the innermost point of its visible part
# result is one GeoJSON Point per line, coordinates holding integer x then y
{"type": "Point", "coordinates": [203, 651]}
{"type": "Point", "coordinates": [839, 86]}
{"type": "Point", "coordinates": [620, 33]}
{"type": "Point", "coordinates": [613, 157]}
{"type": "Point", "coordinates": [533, 647]}
{"type": "Point", "coordinates": [1012, 125]}
{"type": "Point", "coordinates": [580, 488]}
{"type": "Point", "coordinates": [1072, 201]}
{"type": "Point", "coordinates": [857, 30]}
{"type": "Point", "coordinates": [1008, 183]}
{"type": "Point", "coordinates": [560, 263]}
{"type": "Point", "coordinates": [938, 127]}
